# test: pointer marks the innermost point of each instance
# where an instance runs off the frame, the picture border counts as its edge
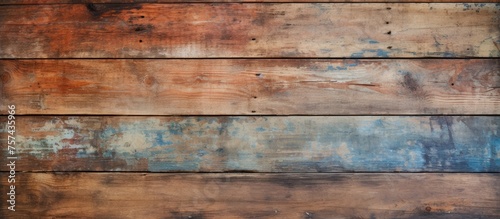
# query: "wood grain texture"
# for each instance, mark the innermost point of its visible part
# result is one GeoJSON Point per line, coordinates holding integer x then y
{"type": "Point", "coordinates": [254, 87]}
{"type": "Point", "coordinates": [258, 144]}
{"type": "Point", "coordinates": [39, 2]}
{"type": "Point", "coordinates": [136, 195]}
{"type": "Point", "coordinates": [249, 30]}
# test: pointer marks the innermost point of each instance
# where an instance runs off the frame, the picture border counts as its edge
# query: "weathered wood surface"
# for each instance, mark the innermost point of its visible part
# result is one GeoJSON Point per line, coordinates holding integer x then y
{"type": "Point", "coordinates": [249, 30]}
{"type": "Point", "coordinates": [257, 87]}
{"type": "Point", "coordinates": [20, 2]}
{"type": "Point", "coordinates": [258, 144]}
{"type": "Point", "coordinates": [136, 195]}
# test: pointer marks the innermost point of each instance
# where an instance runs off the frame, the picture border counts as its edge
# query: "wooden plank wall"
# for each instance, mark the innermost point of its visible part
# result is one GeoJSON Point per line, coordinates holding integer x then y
{"type": "Point", "coordinates": [250, 108]}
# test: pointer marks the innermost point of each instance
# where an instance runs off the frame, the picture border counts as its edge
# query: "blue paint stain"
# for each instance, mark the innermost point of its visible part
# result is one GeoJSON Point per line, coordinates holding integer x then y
{"type": "Point", "coordinates": [245, 160]}
{"type": "Point", "coordinates": [321, 7]}
{"type": "Point", "coordinates": [495, 140]}
{"type": "Point", "coordinates": [379, 123]}
{"type": "Point", "coordinates": [221, 128]}
{"type": "Point", "coordinates": [441, 54]}
{"type": "Point", "coordinates": [202, 153]}
{"type": "Point", "coordinates": [175, 129]}
{"type": "Point", "coordinates": [357, 55]}
{"type": "Point", "coordinates": [369, 40]}
{"type": "Point", "coordinates": [436, 42]}
{"type": "Point", "coordinates": [190, 165]}
{"type": "Point", "coordinates": [158, 140]}
{"type": "Point", "coordinates": [448, 54]}
{"type": "Point", "coordinates": [382, 53]}
{"type": "Point", "coordinates": [467, 6]}
{"type": "Point", "coordinates": [260, 129]}
{"type": "Point", "coordinates": [233, 165]}
{"type": "Point", "coordinates": [109, 153]}
{"type": "Point", "coordinates": [475, 6]}
{"type": "Point", "coordinates": [139, 154]}
{"type": "Point", "coordinates": [82, 154]}
{"type": "Point", "coordinates": [336, 68]}
{"type": "Point", "coordinates": [475, 164]}
{"type": "Point", "coordinates": [378, 52]}
{"type": "Point", "coordinates": [413, 53]}
{"type": "Point", "coordinates": [164, 151]}
{"type": "Point", "coordinates": [401, 72]}
{"type": "Point", "coordinates": [290, 127]}
{"type": "Point", "coordinates": [495, 150]}
{"type": "Point", "coordinates": [109, 131]}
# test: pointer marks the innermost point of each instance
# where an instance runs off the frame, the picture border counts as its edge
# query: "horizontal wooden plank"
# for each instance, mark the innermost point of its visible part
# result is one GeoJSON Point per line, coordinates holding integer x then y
{"type": "Point", "coordinates": [21, 2]}
{"type": "Point", "coordinates": [256, 87]}
{"type": "Point", "coordinates": [257, 144]}
{"type": "Point", "coordinates": [249, 30]}
{"type": "Point", "coordinates": [136, 195]}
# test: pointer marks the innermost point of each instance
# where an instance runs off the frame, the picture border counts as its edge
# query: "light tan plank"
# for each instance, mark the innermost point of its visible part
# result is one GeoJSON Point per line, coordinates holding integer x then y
{"type": "Point", "coordinates": [231, 87]}
{"type": "Point", "coordinates": [249, 30]}
{"type": "Point", "coordinates": [104, 195]}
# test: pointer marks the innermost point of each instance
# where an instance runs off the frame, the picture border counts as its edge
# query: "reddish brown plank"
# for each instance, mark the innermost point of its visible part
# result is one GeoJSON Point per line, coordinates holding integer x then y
{"type": "Point", "coordinates": [136, 195]}
{"type": "Point", "coordinates": [249, 30]}
{"type": "Point", "coordinates": [231, 87]}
